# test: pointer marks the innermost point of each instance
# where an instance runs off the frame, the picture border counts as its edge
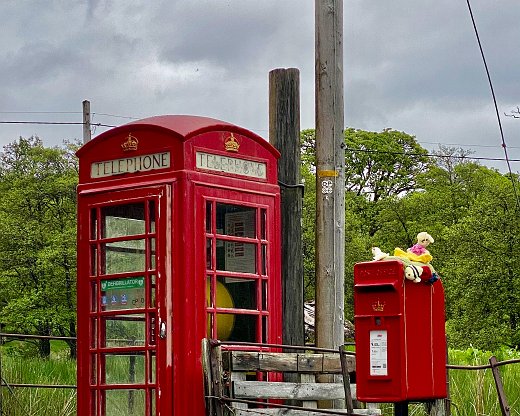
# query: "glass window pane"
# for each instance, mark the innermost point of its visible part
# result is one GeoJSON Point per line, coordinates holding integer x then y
{"type": "Point", "coordinates": [124, 368]}
{"type": "Point", "coordinates": [126, 293]}
{"type": "Point", "coordinates": [263, 228]}
{"type": "Point", "coordinates": [210, 325]}
{"type": "Point", "coordinates": [264, 295]}
{"type": "Point", "coordinates": [225, 326]}
{"type": "Point", "coordinates": [152, 292]}
{"type": "Point", "coordinates": [93, 369]}
{"type": "Point", "coordinates": [152, 254]}
{"type": "Point", "coordinates": [93, 296]}
{"type": "Point", "coordinates": [209, 207]}
{"type": "Point", "coordinates": [121, 220]}
{"type": "Point", "coordinates": [93, 332]}
{"type": "Point", "coordinates": [93, 224]}
{"type": "Point", "coordinates": [244, 328]}
{"type": "Point", "coordinates": [124, 403]}
{"type": "Point", "coordinates": [264, 259]}
{"type": "Point", "coordinates": [123, 256]}
{"type": "Point", "coordinates": [93, 261]}
{"type": "Point", "coordinates": [209, 253]}
{"type": "Point", "coordinates": [236, 293]}
{"type": "Point", "coordinates": [236, 220]}
{"type": "Point", "coordinates": [124, 330]}
{"type": "Point", "coordinates": [265, 333]}
{"type": "Point", "coordinates": [236, 256]}
{"type": "Point", "coordinates": [152, 403]}
{"type": "Point", "coordinates": [209, 293]}
{"type": "Point", "coordinates": [151, 214]}
{"type": "Point", "coordinates": [151, 368]}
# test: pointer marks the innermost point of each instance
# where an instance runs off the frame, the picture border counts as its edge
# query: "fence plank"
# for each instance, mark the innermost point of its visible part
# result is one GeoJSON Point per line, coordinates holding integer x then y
{"type": "Point", "coordinates": [292, 412]}
{"type": "Point", "coordinates": [284, 390]}
{"type": "Point", "coordinates": [288, 362]}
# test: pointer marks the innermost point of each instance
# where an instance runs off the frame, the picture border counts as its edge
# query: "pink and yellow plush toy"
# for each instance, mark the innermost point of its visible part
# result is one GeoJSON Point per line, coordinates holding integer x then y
{"type": "Point", "coordinates": [423, 240]}
{"type": "Point", "coordinates": [416, 259]}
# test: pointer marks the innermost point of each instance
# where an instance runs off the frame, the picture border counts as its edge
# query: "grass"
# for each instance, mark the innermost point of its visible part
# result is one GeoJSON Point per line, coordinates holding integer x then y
{"type": "Point", "coordinates": [17, 368]}
{"type": "Point", "coordinates": [473, 393]}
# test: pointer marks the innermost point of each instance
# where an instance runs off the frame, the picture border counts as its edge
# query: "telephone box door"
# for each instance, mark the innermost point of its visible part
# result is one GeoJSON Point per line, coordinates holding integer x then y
{"type": "Point", "coordinates": [240, 243]}
{"type": "Point", "coordinates": [124, 334]}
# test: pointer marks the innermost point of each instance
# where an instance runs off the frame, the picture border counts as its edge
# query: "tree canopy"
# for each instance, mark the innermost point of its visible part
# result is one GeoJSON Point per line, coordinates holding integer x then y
{"type": "Point", "coordinates": [394, 190]}
{"type": "Point", "coordinates": [38, 239]}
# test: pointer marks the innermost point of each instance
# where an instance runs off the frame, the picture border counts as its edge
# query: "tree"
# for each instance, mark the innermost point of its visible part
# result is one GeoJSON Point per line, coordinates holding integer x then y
{"type": "Point", "coordinates": [470, 210]}
{"type": "Point", "coordinates": [378, 166]}
{"type": "Point", "coordinates": [38, 240]}
{"type": "Point", "coordinates": [483, 281]}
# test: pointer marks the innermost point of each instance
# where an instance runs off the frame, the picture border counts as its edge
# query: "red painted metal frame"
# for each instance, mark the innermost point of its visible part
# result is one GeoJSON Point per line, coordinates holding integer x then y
{"type": "Point", "coordinates": [181, 191]}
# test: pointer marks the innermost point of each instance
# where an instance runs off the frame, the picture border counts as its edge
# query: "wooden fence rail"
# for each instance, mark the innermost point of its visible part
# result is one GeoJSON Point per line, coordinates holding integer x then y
{"type": "Point", "coordinates": [248, 383]}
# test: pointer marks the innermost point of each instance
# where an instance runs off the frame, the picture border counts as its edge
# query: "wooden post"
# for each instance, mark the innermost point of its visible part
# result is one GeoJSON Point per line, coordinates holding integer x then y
{"type": "Point", "coordinates": [346, 380]}
{"type": "Point", "coordinates": [87, 135]}
{"type": "Point", "coordinates": [502, 399]}
{"type": "Point", "coordinates": [401, 409]}
{"type": "Point", "coordinates": [284, 134]}
{"type": "Point", "coordinates": [330, 174]}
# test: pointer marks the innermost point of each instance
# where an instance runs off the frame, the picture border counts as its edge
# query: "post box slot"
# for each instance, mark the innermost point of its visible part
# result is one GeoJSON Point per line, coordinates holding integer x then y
{"type": "Point", "coordinates": [376, 287]}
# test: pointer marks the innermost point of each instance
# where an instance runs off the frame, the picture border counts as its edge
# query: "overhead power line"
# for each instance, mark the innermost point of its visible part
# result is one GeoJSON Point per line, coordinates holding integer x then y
{"type": "Point", "coordinates": [496, 107]}
{"type": "Point", "coordinates": [72, 123]}
{"type": "Point", "coordinates": [497, 159]}
{"type": "Point", "coordinates": [493, 146]}
{"type": "Point", "coordinates": [40, 112]}
{"type": "Point", "coordinates": [116, 116]}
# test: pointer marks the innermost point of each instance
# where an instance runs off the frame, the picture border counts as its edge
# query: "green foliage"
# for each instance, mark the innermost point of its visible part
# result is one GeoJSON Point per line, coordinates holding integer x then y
{"type": "Point", "coordinates": [35, 402]}
{"type": "Point", "coordinates": [38, 239]}
{"type": "Point", "coordinates": [394, 191]}
{"type": "Point", "coordinates": [380, 165]}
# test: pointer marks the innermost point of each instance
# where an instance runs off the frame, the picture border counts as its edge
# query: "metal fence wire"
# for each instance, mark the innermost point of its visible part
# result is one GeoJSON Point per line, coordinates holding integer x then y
{"type": "Point", "coordinates": [493, 365]}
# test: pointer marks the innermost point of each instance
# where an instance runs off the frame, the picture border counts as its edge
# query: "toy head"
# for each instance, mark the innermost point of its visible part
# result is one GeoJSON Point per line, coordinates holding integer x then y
{"type": "Point", "coordinates": [424, 239]}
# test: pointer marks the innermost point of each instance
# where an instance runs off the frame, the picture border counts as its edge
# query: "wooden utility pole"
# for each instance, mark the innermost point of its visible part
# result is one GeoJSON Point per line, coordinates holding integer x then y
{"type": "Point", "coordinates": [87, 135]}
{"type": "Point", "coordinates": [330, 174]}
{"type": "Point", "coordinates": [284, 134]}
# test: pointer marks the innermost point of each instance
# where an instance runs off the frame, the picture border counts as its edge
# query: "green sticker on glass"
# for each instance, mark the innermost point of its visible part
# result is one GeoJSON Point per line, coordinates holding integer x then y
{"type": "Point", "coordinates": [126, 283]}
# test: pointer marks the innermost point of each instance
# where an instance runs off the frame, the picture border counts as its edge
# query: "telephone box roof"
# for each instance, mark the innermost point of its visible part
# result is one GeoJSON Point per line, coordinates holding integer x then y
{"type": "Point", "coordinates": [185, 126]}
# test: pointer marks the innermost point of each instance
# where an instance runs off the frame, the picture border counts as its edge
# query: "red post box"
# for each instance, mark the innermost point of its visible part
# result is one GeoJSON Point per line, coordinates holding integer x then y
{"type": "Point", "coordinates": [178, 239]}
{"type": "Point", "coordinates": [400, 335]}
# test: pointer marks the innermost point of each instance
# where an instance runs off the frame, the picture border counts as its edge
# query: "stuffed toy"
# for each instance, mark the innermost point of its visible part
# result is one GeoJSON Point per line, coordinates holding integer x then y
{"type": "Point", "coordinates": [378, 254]}
{"type": "Point", "coordinates": [423, 240]}
{"type": "Point", "coordinates": [413, 273]}
{"type": "Point", "coordinates": [416, 259]}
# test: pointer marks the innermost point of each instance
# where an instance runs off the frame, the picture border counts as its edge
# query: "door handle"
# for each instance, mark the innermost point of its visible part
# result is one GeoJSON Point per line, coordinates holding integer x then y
{"type": "Point", "coordinates": [162, 330]}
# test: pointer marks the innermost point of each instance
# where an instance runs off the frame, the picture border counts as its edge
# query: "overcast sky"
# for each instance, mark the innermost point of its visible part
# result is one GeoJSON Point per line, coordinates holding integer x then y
{"type": "Point", "coordinates": [410, 65]}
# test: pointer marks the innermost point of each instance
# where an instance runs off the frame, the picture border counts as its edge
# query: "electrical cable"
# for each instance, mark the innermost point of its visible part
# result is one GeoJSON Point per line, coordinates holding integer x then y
{"type": "Point", "coordinates": [59, 123]}
{"type": "Point", "coordinates": [40, 112]}
{"type": "Point", "coordinates": [496, 106]}
{"type": "Point", "coordinates": [117, 116]}
{"type": "Point", "coordinates": [467, 145]}
{"type": "Point", "coordinates": [430, 155]}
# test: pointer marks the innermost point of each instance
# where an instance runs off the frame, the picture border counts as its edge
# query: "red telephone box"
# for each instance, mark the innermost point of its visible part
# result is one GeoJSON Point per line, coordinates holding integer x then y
{"type": "Point", "coordinates": [178, 238]}
{"type": "Point", "coordinates": [400, 335]}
